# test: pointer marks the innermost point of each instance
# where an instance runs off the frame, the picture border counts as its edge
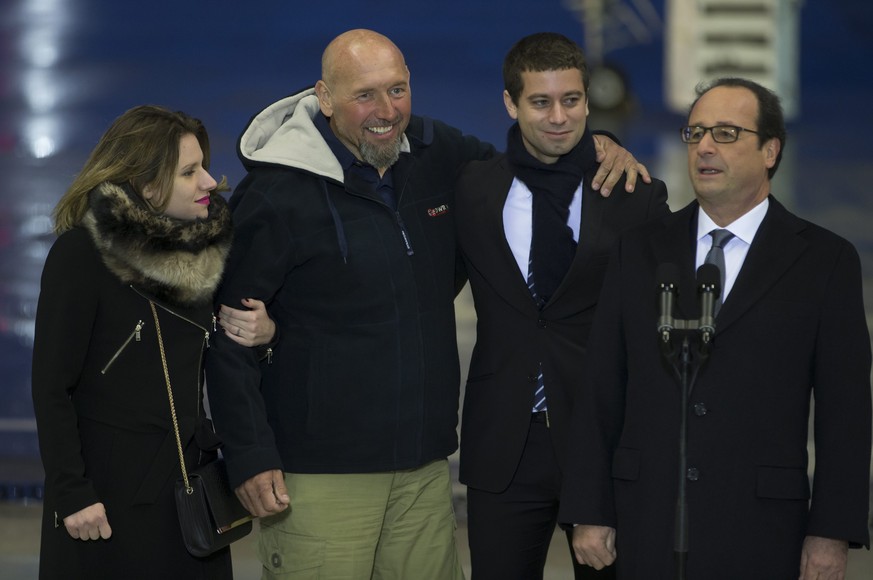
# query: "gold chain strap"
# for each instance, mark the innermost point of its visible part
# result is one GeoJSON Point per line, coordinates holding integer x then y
{"type": "Point", "coordinates": [188, 489]}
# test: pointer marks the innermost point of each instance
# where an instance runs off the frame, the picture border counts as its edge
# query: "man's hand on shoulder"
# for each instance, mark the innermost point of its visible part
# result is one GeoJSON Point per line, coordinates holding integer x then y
{"type": "Point", "coordinates": [614, 161]}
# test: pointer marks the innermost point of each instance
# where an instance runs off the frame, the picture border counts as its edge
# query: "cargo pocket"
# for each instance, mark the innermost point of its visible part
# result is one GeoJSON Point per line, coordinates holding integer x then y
{"type": "Point", "coordinates": [282, 553]}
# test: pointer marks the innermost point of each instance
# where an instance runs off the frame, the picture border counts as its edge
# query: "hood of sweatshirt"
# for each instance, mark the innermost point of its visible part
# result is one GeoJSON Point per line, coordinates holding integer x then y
{"type": "Point", "coordinates": [285, 134]}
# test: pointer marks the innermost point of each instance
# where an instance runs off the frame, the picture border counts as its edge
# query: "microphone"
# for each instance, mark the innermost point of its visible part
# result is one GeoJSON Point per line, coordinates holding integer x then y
{"type": "Point", "coordinates": [666, 277]}
{"type": "Point", "coordinates": [708, 286]}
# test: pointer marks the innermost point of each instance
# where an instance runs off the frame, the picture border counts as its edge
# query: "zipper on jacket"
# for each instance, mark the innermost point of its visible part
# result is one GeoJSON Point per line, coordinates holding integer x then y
{"type": "Point", "coordinates": [200, 386]}
{"type": "Point", "coordinates": [177, 315]}
{"type": "Point", "coordinates": [403, 231]}
{"type": "Point", "coordinates": [135, 334]}
{"type": "Point", "coordinates": [404, 234]}
{"type": "Point", "coordinates": [205, 339]}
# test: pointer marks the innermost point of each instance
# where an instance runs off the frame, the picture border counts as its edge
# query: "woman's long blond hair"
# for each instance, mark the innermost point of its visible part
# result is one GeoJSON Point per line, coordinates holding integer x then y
{"type": "Point", "coordinates": [140, 148]}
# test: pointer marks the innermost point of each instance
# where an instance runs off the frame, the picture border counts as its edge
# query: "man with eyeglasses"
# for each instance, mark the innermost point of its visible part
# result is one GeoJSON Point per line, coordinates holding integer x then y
{"type": "Point", "coordinates": [791, 325]}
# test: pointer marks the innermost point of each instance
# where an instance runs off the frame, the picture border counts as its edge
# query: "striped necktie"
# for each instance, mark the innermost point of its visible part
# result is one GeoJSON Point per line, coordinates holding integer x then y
{"type": "Point", "coordinates": [540, 392]}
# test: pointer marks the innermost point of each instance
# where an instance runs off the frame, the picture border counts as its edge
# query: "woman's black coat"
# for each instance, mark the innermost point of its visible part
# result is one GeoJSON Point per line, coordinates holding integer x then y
{"type": "Point", "coordinates": [100, 397]}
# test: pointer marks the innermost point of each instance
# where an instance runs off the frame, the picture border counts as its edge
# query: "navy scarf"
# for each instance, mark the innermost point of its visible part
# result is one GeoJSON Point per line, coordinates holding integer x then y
{"type": "Point", "coordinates": [552, 186]}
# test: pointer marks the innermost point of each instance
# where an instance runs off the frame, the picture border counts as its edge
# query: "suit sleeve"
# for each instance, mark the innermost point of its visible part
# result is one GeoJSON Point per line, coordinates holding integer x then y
{"type": "Point", "coordinates": [841, 387]}
{"type": "Point", "coordinates": [256, 268]}
{"type": "Point", "coordinates": [598, 410]}
{"type": "Point", "coordinates": [64, 320]}
{"type": "Point", "coordinates": [658, 200]}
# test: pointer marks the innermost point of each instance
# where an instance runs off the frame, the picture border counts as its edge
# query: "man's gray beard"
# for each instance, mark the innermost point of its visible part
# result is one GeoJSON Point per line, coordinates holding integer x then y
{"type": "Point", "coordinates": [380, 156]}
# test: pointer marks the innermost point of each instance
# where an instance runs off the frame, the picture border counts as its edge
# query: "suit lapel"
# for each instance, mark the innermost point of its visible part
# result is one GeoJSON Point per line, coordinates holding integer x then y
{"type": "Point", "coordinates": [502, 270]}
{"type": "Point", "coordinates": [775, 248]}
{"type": "Point", "coordinates": [592, 217]}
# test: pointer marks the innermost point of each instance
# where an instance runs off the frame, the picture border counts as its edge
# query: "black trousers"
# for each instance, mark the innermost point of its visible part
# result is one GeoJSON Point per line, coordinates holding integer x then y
{"type": "Point", "coordinates": [509, 532]}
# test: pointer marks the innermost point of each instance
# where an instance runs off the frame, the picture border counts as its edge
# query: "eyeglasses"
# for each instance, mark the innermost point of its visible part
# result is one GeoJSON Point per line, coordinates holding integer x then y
{"type": "Point", "coordinates": [720, 133]}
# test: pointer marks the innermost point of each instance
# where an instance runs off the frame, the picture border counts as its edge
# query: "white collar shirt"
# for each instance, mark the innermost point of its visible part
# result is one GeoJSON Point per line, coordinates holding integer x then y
{"type": "Point", "coordinates": [744, 229]}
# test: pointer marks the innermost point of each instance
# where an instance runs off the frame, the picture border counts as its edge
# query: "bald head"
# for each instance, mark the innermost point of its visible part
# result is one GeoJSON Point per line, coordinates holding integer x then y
{"type": "Point", "coordinates": [364, 90]}
{"type": "Point", "coordinates": [350, 50]}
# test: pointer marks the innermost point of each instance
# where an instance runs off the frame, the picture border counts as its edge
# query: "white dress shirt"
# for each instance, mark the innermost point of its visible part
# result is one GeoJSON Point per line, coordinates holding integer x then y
{"type": "Point", "coordinates": [735, 251]}
{"type": "Point", "coordinates": [518, 221]}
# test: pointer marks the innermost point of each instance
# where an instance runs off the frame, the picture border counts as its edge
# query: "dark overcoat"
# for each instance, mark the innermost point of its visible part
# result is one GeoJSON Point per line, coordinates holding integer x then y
{"type": "Point", "coordinates": [792, 327]}
{"type": "Point", "coordinates": [102, 407]}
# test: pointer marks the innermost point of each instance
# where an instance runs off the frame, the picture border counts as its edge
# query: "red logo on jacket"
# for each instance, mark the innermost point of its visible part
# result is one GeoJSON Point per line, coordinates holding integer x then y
{"type": "Point", "coordinates": [438, 210]}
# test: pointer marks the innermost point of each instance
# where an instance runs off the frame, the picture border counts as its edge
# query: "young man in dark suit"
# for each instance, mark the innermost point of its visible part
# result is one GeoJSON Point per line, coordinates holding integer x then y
{"type": "Point", "coordinates": [535, 238]}
{"type": "Point", "coordinates": [791, 325]}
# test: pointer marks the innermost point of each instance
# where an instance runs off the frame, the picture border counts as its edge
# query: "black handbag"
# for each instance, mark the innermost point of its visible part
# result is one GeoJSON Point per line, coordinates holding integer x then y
{"type": "Point", "coordinates": [210, 514]}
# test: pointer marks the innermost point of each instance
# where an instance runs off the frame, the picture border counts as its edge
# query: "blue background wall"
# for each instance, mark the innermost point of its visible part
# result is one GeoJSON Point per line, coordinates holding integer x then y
{"type": "Point", "coordinates": [68, 67]}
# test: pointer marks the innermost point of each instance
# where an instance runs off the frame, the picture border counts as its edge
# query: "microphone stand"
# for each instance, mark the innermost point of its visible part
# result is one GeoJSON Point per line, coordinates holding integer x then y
{"type": "Point", "coordinates": [686, 361]}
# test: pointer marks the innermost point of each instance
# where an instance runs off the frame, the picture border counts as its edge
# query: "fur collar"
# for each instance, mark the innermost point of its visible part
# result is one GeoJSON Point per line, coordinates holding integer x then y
{"type": "Point", "coordinates": [179, 261]}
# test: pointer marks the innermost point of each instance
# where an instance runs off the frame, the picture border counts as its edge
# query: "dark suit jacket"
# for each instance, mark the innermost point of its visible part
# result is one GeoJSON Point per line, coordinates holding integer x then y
{"type": "Point", "coordinates": [513, 336]}
{"type": "Point", "coordinates": [793, 325]}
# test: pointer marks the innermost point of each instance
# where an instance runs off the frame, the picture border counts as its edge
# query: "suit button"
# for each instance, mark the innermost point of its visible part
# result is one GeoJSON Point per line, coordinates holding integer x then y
{"type": "Point", "coordinates": [693, 474]}
{"type": "Point", "coordinates": [699, 409]}
{"type": "Point", "coordinates": [542, 323]}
